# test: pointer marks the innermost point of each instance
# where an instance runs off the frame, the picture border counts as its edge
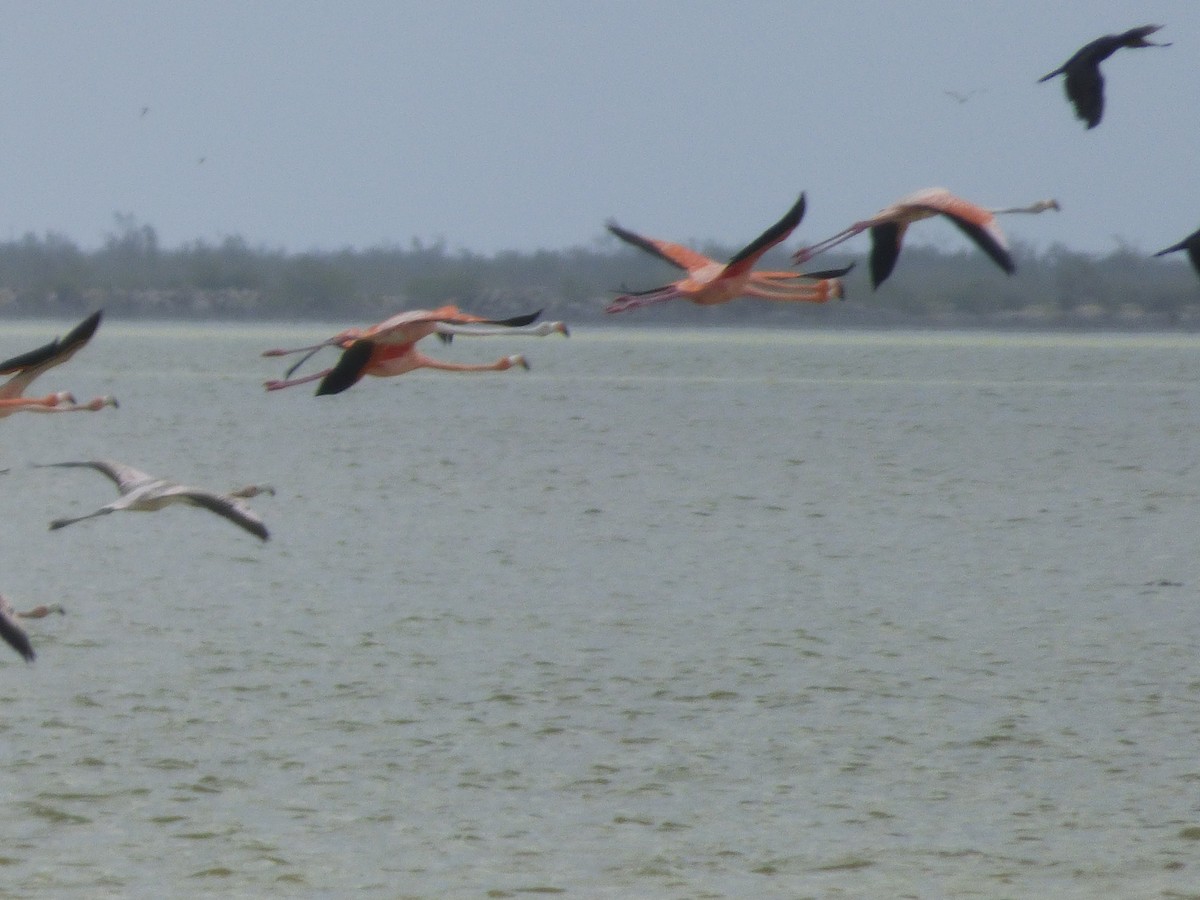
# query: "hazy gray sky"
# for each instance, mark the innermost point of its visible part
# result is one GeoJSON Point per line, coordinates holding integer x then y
{"type": "Point", "coordinates": [524, 124]}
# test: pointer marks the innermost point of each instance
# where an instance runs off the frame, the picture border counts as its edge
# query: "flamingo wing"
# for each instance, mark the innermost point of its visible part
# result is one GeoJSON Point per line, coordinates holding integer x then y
{"type": "Point", "coordinates": [885, 250]}
{"type": "Point", "coordinates": [228, 507]}
{"type": "Point", "coordinates": [30, 365]}
{"type": "Point", "coordinates": [828, 273]}
{"type": "Point", "coordinates": [12, 632]}
{"type": "Point", "coordinates": [446, 330]}
{"type": "Point", "coordinates": [745, 258]}
{"type": "Point", "coordinates": [679, 256]}
{"type": "Point", "coordinates": [349, 369]}
{"type": "Point", "coordinates": [990, 240]}
{"type": "Point", "coordinates": [974, 221]}
{"type": "Point", "coordinates": [126, 478]}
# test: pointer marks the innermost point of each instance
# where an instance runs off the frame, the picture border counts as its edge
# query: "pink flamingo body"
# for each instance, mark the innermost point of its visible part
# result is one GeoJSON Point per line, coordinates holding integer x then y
{"type": "Point", "coordinates": [389, 348]}
{"type": "Point", "coordinates": [28, 366]}
{"type": "Point", "coordinates": [709, 282]}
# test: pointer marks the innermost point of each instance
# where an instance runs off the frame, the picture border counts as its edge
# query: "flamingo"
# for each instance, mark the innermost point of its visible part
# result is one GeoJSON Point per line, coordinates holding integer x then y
{"type": "Point", "coordinates": [1191, 244]}
{"type": "Point", "coordinates": [1084, 83]}
{"type": "Point", "coordinates": [10, 625]}
{"type": "Point", "coordinates": [28, 366]}
{"type": "Point", "coordinates": [887, 228]}
{"type": "Point", "coordinates": [141, 492]}
{"type": "Point", "coordinates": [389, 348]}
{"type": "Point", "coordinates": [709, 282]}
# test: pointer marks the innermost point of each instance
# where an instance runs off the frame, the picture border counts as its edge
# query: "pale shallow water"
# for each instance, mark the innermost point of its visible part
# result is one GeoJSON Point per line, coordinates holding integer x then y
{"type": "Point", "coordinates": [675, 614]}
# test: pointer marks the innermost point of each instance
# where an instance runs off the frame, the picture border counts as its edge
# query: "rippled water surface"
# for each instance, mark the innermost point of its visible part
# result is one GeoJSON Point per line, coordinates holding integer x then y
{"type": "Point", "coordinates": [675, 614]}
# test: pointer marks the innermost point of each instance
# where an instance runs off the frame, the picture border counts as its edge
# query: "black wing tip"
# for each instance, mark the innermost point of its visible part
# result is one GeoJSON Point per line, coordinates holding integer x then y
{"type": "Point", "coordinates": [82, 333]}
{"type": "Point", "coordinates": [831, 273]}
{"type": "Point", "coordinates": [519, 321]}
{"type": "Point", "coordinates": [349, 369]}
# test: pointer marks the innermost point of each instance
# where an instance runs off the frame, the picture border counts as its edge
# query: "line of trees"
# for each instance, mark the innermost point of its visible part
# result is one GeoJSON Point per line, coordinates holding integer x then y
{"type": "Point", "coordinates": [131, 275]}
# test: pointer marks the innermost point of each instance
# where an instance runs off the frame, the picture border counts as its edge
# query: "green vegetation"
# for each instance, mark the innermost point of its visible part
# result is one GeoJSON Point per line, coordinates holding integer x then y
{"type": "Point", "coordinates": [131, 275]}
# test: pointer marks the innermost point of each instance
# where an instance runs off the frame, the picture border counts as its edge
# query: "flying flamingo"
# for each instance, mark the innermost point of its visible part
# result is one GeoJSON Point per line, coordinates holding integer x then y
{"type": "Point", "coordinates": [10, 625]}
{"type": "Point", "coordinates": [28, 366]}
{"type": "Point", "coordinates": [389, 348]}
{"type": "Point", "coordinates": [1191, 244]}
{"type": "Point", "coordinates": [1084, 83]}
{"type": "Point", "coordinates": [146, 493]}
{"type": "Point", "coordinates": [709, 282]}
{"type": "Point", "coordinates": [887, 228]}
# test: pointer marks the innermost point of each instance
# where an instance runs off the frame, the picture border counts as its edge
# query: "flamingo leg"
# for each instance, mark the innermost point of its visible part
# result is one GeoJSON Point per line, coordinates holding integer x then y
{"type": "Point", "coordinates": [278, 385]}
{"type": "Point", "coordinates": [63, 523]}
{"type": "Point", "coordinates": [505, 362]}
{"type": "Point", "coordinates": [814, 294]}
{"type": "Point", "coordinates": [804, 254]}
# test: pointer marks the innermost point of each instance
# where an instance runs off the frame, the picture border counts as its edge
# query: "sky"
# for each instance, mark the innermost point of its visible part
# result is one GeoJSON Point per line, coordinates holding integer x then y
{"type": "Point", "coordinates": [523, 125]}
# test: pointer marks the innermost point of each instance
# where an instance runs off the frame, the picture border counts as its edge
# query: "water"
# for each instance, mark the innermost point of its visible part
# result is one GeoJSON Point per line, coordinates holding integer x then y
{"type": "Point", "coordinates": [675, 614]}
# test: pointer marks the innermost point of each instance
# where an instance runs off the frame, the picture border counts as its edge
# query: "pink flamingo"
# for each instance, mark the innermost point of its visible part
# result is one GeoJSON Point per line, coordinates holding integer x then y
{"type": "Point", "coordinates": [709, 282]}
{"type": "Point", "coordinates": [28, 366]}
{"type": "Point", "coordinates": [14, 634]}
{"type": "Point", "coordinates": [888, 226]}
{"type": "Point", "coordinates": [389, 348]}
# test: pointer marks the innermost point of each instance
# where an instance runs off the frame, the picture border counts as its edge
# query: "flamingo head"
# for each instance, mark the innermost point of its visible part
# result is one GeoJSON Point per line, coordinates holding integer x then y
{"type": "Point", "coordinates": [98, 403]}
{"type": "Point", "coordinates": [515, 360]}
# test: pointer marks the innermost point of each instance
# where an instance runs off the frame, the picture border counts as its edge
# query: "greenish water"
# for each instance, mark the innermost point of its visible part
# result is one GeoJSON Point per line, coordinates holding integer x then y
{"type": "Point", "coordinates": [674, 614]}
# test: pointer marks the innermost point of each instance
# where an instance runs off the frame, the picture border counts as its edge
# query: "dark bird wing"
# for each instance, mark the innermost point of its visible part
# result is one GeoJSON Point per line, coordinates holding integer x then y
{"type": "Point", "coordinates": [30, 365]}
{"type": "Point", "coordinates": [349, 368]}
{"type": "Point", "coordinates": [829, 273]}
{"type": "Point", "coordinates": [12, 632]}
{"type": "Point", "coordinates": [988, 244]}
{"type": "Point", "coordinates": [1191, 244]}
{"type": "Point", "coordinates": [885, 250]}
{"type": "Point", "coordinates": [228, 507]}
{"type": "Point", "coordinates": [772, 236]}
{"type": "Point", "coordinates": [447, 337]}
{"type": "Point", "coordinates": [1085, 90]}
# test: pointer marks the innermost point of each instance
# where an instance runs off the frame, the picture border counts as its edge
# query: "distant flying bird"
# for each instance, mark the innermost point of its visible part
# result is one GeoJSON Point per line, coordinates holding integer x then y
{"type": "Point", "coordinates": [13, 633]}
{"type": "Point", "coordinates": [888, 226]}
{"type": "Point", "coordinates": [1191, 244]}
{"type": "Point", "coordinates": [28, 366]}
{"type": "Point", "coordinates": [709, 282]}
{"type": "Point", "coordinates": [961, 97]}
{"type": "Point", "coordinates": [1084, 83]}
{"type": "Point", "coordinates": [145, 109]}
{"type": "Point", "coordinates": [389, 348]}
{"type": "Point", "coordinates": [141, 492]}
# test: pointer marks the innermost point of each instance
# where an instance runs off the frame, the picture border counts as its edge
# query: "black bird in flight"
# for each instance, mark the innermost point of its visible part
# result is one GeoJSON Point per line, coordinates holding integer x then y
{"type": "Point", "coordinates": [1085, 84]}
{"type": "Point", "coordinates": [1191, 244]}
